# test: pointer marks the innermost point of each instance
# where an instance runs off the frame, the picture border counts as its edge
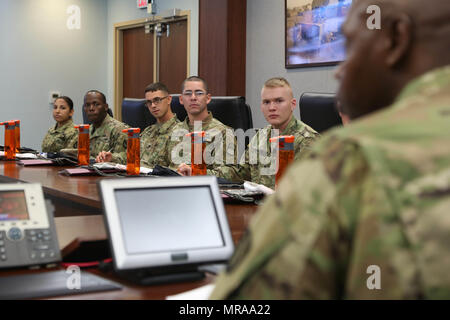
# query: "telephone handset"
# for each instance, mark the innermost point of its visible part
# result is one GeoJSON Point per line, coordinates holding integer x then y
{"type": "Point", "coordinates": [27, 230]}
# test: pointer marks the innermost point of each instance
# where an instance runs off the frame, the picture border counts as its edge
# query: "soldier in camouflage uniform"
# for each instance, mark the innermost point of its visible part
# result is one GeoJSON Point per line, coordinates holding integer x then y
{"type": "Point", "coordinates": [277, 105]}
{"type": "Point", "coordinates": [105, 133]}
{"type": "Point", "coordinates": [155, 139]}
{"type": "Point", "coordinates": [373, 220]}
{"type": "Point", "coordinates": [62, 134]}
{"type": "Point", "coordinates": [195, 98]}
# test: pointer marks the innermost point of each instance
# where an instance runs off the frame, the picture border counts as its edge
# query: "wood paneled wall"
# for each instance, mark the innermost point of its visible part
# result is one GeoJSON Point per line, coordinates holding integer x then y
{"type": "Point", "coordinates": [222, 45]}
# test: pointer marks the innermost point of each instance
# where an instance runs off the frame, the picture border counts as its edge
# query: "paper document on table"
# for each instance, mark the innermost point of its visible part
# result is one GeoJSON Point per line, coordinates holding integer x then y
{"type": "Point", "coordinates": [111, 165]}
{"type": "Point", "coordinates": [201, 293]}
{"type": "Point", "coordinates": [26, 156]}
{"type": "Point", "coordinates": [21, 155]}
{"type": "Point", "coordinates": [254, 187]}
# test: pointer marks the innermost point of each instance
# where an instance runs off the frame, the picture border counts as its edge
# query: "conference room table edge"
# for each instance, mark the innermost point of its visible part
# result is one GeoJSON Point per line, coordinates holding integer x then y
{"type": "Point", "coordinates": [70, 206]}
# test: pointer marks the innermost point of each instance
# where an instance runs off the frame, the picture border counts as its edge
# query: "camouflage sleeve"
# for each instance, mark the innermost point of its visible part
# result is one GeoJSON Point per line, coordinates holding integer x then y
{"type": "Point", "coordinates": [179, 147]}
{"type": "Point", "coordinates": [155, 150]}
{"type": "Point", "coordinates": [227, 169]}
{"type": "Point", "coordinates": [46, 143]}
{"type": "Point", "coordinates": [73, 141]}
{"type": "Point", "coordinates": [59, 140]}
{"type": "Point", "coordinates": [298, 246]}
{"type": "Point", "coordinates": [236, 173]}
{"type": "Point", "coordinates": [118, 143]}
{"type": "Point", "coordinates": [221, 149]}
{"type": "Point", "coordinates": [303, 145]}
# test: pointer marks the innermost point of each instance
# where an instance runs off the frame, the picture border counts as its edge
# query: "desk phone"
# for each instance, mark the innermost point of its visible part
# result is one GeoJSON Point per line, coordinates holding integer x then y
{"type": "Point", "coordinates": [27, 230]}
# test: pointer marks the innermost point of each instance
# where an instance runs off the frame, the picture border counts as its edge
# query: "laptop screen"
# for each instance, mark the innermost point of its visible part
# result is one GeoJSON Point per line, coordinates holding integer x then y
{"type": "Point", "coordinates": [150, 219]}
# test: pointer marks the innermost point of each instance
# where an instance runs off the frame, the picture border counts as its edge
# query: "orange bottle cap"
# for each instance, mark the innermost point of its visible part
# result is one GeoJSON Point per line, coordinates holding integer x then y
{"type": "Point", "coordinates": [82, 126]}
{"type": "Point", "coordinates": [196, 133]}
{"type": "Point", "coordinates": [286, 139]}
{"type": "Point", "coordinates": [132, 131]}
{"type": "Point", "coordinates": [8, 123]}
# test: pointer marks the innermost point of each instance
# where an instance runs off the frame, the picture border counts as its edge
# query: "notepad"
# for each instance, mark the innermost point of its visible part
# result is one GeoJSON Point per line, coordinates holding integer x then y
{"type": "Point", "coordinates": [51, 284]}
{"type": "Point", "coordinates": [38, 162]}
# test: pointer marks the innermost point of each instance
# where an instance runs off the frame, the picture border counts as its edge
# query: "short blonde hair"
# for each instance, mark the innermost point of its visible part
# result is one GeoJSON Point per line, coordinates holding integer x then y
{"type": "Point", "coordinates": [277, 83]}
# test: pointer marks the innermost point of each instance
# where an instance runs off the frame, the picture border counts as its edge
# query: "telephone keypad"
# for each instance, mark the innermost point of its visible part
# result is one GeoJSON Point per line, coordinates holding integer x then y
{"type": "Point", "coordinates": [40, 244]}
{"type": "Point", "coordinates": [2, 247]}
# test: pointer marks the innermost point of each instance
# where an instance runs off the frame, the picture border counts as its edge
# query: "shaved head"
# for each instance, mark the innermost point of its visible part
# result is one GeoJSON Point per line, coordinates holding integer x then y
{"type": "Point", "coordinates": [414, 38]}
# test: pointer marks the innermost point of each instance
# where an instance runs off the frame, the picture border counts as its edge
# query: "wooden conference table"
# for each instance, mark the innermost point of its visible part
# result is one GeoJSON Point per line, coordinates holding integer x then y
{"type": "Point", "coordinates": [78, 214]}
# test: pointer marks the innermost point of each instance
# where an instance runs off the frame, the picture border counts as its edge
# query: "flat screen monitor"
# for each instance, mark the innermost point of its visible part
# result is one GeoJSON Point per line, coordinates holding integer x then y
{"type": "Point", "coordinates": [159, 222]}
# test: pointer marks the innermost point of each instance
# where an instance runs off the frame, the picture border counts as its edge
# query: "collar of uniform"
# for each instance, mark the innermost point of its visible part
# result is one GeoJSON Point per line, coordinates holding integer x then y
{"type": "Point", "coordinates": [163, 128]}
{"type": "Point", "coordinates": [426, 85]}
{"type": "Point", "coordinates": [105, 121]}
{"type": "Point", "coordinates": [64, 127]}
{"type": "Point", "coordinates": [291, 127]}
{"type": "Point", "coordinates": [205, 123]}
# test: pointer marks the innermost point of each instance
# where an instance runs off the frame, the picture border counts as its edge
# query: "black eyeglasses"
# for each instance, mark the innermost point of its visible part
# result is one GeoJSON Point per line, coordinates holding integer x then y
{"type": "Point", "coordinates": [155, 101]}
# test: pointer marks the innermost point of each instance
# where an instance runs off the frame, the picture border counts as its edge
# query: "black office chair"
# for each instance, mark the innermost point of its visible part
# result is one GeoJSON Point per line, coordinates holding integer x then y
{"type": "Point", "coordinates": [135, 113]}
{"type": "Point", "coordinates": [318, 110]}
{"type": "Point", "coordinates": [85, 118]}
{"type": "Point", "coordinates": [231, 111]}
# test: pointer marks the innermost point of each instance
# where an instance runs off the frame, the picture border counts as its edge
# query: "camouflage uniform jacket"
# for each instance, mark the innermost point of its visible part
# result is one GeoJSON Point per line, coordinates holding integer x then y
{"type": "Point", "coordinates": [375, 207]}
{"type": "Point", "coordinates": [107, 137]}
{"type": "Point", "coordinates": [257, 165]}
{"type": "Point", "coordinates": [217, 135]}
{"type": "Point", "coordinates": [154, 143]}
{"type": "Point", "coordinates": [59, 138]}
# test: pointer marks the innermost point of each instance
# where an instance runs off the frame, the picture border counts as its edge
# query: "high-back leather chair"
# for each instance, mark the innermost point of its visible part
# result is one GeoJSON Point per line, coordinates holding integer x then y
{"type": "Point", "coordinates": [231, 111]}
{"type": "Point", "coordinates": [318, 110]}
{"type": "Point", "coordinates": [135, 113]}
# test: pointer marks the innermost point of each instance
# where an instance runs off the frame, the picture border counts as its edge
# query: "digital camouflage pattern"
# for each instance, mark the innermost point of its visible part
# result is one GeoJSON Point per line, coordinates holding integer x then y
{"type": "Point", "coordinates": [107, 137]}
{"type": "Point", "coordinates": [217, 135]}
{"type": "Point", "coordinates": [155, 144]}
{"type": "Point", "coordinates": [252, 168]}
{"type": "Point", "coordinates": [377, 193]}
{"type": "Point", "coordinates": [59, 138]}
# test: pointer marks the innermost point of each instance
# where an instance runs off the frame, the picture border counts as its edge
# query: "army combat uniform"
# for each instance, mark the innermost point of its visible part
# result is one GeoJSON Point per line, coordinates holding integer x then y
{"type": "Point", "coordinates": [107, 137]}
{"type": "Point", "coordinates": [217, 135]}
{"type": "Point", "coordinates": [373, 219]}
{"type": "Point", "coordinates": [59, 138]}
{"type": "Point", "coordinates": [154, 144]}
{"type": "Point", "coordinates": [253, 168]}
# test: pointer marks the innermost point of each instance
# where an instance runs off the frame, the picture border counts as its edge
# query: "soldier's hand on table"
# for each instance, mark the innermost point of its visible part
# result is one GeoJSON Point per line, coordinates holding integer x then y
{"type": "Point", "coordinates": [184, 169]}
{"type": "Point", "coordinates": [104, 156]}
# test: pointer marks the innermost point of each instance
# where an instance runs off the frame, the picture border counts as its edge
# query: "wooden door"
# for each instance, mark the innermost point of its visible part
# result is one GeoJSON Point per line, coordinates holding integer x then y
{"type": "Point", "coordinates": [173, 55]}
{"type": "Point", "coordinates": [138, 55]}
